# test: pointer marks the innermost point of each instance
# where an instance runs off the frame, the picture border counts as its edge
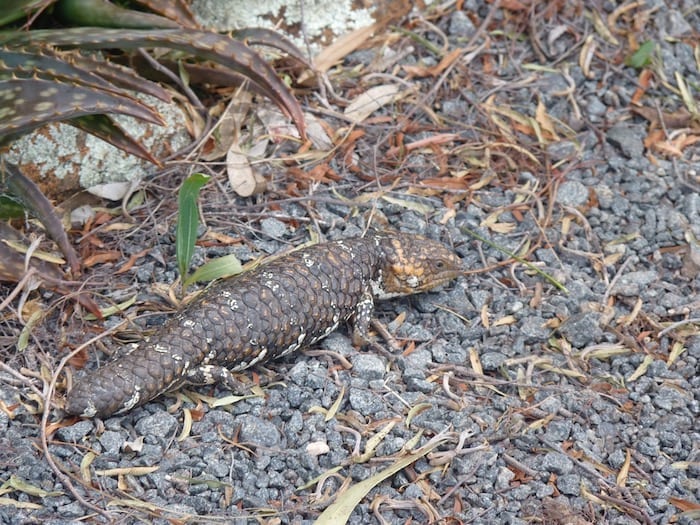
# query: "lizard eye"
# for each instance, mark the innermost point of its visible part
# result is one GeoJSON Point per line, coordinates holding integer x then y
{"type": "Point", "coordinates": [440, 265]}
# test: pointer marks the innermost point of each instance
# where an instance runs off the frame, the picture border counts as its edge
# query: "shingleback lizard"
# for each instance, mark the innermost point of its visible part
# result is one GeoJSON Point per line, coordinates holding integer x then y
{"type": "Point", "coordinates": [268, 312]}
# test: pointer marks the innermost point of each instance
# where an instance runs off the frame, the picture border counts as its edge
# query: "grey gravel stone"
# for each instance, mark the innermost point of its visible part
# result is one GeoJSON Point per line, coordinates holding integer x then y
{"type": "Point", "coordinates": [368, 366]}
{"type": "Point", "coordinates": [569, 484]}
{"type": "Point", "coordinates": [633, 283]}
{"type": "Point", "coordinates": [582, 329]}
{"type": "Point", "coordinates": [557, 463]}
{"type": "Point", "coordinates": [160, 424]}
{"type": "Point", "coordinates": [461, 25]}
{"type": "Point", "coordinates": [273, 227]}
{"type": "Point", "coordinates": [673, 23]}
{"type": "Point", "coordinates": [111, 442]}
{"type": "Point", "coordinates": [572, 193]}
{"type": "Point", "coordinates": [75, 432]}
{"type": "Point", "coordinates": [505, 476]}
{"type": "Point", "coordinates": [365, 402]}
{"type": "Point", "coordinates": [258, 432]}
{"type": "Point", "coordinates": [558, 431]}
{"type": "Point", "coordinates": [492, 360]}
{"type": "Point", "coordinates": [627, 138]}
{"type": "Point", "coordinates": [533, 328]}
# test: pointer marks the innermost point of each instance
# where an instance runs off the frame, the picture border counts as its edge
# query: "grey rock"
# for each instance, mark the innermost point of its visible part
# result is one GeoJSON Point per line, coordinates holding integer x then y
{"type": "Point", "coordinates": [557, 463]}
{"type": "Point", "coordinates": [569, 484]}
{"type": "Point", "coordinates": [299, 373]}
{"type": "Point", "coordinates": [617, 458]}
{"type": "Point", "coordinates": [633, 283]}
{"type": "Point", "coordinates": [582, 329]}
{"type": "Point", "coordinates": [273, 227]}
{"type": "Point", "coordinates": [627, 138]}
{"type": "Point", "coordinates": [504, 477]}
{"type": "Point", "coordinates": [479, 298]}
{"type": "Point", "coordinates": [572, 193]}
{"type": "Point", "coordinates": [673, 24]}
{"type": "Point", "coordinates": [605, 196]}
{"type": "Point", "coordinates": [558, 431]}
{"type": "Point", "coordinates": [532, 327]}
{"type": "Point", "coordinates": [461, 25]}
{"type": "Point", "coordinates": [417, 362]}
{"type": "Point", "coordinates": [161, 425]}
{"type": "Point", "coordinates": [365, 402]}
{"type": "Point", "coordinates": [649, 446]}
{"type": "Point", "coordinates": [669, 398]}
{"type": "Point", "coordinates": [62, 151]}
{"type": "Point", "coordinates": [492, 360]}
{"type": "Point", "coordinates": [111, 441]}
{"type": "Point", "coordinates": [562, 149]}
{"type": "Point", "coordinates": [75, 432]}
{"type": "Point", "coordinates": [596, 108]}
{"type": "Point", "coordinates": [368, 366]}
{"type": "Point", "coordinates": [258, 431]}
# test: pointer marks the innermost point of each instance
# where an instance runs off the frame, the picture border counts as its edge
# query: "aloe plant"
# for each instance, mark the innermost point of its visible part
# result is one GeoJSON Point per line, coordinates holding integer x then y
{"type": "Point", "coordinates": [40, 83]}
{"type": "Point", "coordinates": [46, 74]}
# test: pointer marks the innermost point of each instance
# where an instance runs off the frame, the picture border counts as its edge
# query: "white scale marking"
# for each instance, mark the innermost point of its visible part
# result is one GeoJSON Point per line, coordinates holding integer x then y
{"type": "Point", "coordinates": [132, 401]}
{"type": "Point", "coordinates": [261, 355]}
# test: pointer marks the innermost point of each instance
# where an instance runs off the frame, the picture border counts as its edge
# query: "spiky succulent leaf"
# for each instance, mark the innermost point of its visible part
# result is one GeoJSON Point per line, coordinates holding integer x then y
{"type": "Point", "coordinates": [72, 74]}
{"type": "Point", "coordinates": [105, 14]}
{"type": "Point", "coordinates": [13, 181]}
{"type": "Point", "coordinates": [27, 103]}
{"type": "Point", "coordinates": [177, 10]}
{"type": "Point", "coordinates": [260, 36]}
{"type": "Point", "coordinates": [118, 75]}
{"type": "Point", "coordinates": [207, 45]}
{"type": "Point", "coordinates": [48, 64]}
{"type": "Point", "coordinates": [105, 128]}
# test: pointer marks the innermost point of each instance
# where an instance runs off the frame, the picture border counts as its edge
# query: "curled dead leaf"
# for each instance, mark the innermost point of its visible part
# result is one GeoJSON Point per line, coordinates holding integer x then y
{"type": "Point", "coordinates": [244, 179]}
{"type": "Point", "coordinates": [371, 100]}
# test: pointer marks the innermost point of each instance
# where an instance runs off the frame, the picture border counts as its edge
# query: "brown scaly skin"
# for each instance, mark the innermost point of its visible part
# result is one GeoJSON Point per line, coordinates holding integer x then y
{"type": "Point", "coordinates": [290, 302]}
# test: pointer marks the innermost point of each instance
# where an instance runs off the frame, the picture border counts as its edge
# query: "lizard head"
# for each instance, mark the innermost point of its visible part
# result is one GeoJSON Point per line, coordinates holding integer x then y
{"type": "Point", "coordinates": [414, 264]}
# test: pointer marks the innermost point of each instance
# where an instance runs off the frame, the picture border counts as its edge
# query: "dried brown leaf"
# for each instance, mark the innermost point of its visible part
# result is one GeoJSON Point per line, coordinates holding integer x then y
{"type": "Point", "coordinates": [371, 100]}
{"type": "Point", "coordinates": [243, 178]}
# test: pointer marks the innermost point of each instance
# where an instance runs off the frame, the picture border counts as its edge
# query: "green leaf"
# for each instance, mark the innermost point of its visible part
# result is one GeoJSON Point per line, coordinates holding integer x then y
{"type": "Point", "coordinates": [225, 266]}
{"type": "Point", "coordinates": [15, 9]}
{"type": "Point", "coordinates": [10, 208]}
{"type": "Point", "coordinates": [105, 14]}
{"type": "Point", "coordinates": [188, 220]}
{"type": "Point", "coordinates": [642, 57]}
{"type": "Point", "coordinates": [111, 310]}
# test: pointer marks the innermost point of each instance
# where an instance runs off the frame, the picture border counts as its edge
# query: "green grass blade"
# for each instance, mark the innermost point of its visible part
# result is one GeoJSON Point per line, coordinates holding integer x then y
{"type": "Point", "coordinates": [188, 220]}
{"type": "Point", "coordinates": [225, 266]}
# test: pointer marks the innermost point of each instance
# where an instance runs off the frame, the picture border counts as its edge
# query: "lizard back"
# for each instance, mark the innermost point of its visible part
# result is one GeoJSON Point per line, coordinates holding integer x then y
{"type": "Point", "coordinates": [265, 313]}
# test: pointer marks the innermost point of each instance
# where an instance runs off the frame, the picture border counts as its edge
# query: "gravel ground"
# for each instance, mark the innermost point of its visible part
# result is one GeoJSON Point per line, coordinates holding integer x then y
{"type": "Point", "coordinates": [550, 406]}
